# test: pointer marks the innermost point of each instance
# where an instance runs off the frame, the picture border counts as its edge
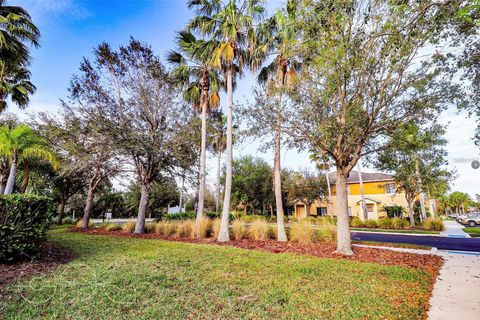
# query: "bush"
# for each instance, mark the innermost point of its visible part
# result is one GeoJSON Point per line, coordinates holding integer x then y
{"type": "Point", "coordinates": [252, 218]}
{"type": "Point", "coordinates": [385, 223]}
{"type": "Point", "coordinates": [302, 232]}
{"type": "Point", "coordinates": [150, 227]}
{"type": "Point", "coordinates": [258, 230]}
{"type": "Point", "coordinates": [328, 233]}
{"type": "Point", "coordinates": [273, 232]}
{"type": "Point", "coordinates": [325, 221]}
{"type": "Point", "coordinates": [399, 223]}
{"type": "Point", "coordinates": [24, 222]}
{"type": "Point", "coordinates": [67, 220]}
{"type": "Point", "coordinates": [129, 226]}
{"type": "Point", "coordinates": [433, 224]}
{"type": "Point", "coordinates": [370, 223]}
{"type": "Point", "coordinates": [203, 227]}
{"type": "Point", "coordinates": [166, 228]}
{"type": "Point", "coordinates": [239, 230]}
{"type": "Point", "coordinates": [357, 223]}
{"type": "Point", "coordinates": [79, 224]}
{"type": "Point", "coordinates": [186, 229]}
{"type": "Point", "coordinates": [113, 227]}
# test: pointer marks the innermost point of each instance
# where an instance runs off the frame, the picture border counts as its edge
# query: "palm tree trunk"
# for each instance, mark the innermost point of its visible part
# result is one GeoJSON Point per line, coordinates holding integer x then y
{"type": "Point", "coordinates": [203, 155]}
{"type": "Point", "coordinates": [223, 235]}
{"type": "Point", "coordinates": [344, 244]}
{"type": "Point", "coordinates": [88, 207]}
{"type": "Point", "coordinates": [281, 234]}
{"type": "Point", "coordinates": [180, 204]}
{"type": "Point", "coordinates": [217, 198]}
{"type": "Point", "coordinates": [142, 208]}
{"type": "Point", "coordinates": [26, 176]}
{"type": "Point", "coordinates": [410, 212]}
{"type": "Point", "coordinates": [362, 192]}
{"type": "Point", "coordinates": [11, 176]}
{"type": "Point", "coordinates": [61, 210]}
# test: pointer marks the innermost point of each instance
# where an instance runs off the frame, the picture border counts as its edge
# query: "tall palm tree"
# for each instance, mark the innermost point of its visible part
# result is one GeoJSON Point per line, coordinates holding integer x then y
{"type": "Point", "coordinates": [19, 144]}
{"type": "Point", "coordinates": [17, 33]}
{"type": "Point", "coordinates": [232, 25]}
{"type": "Point", "coordinates": [219, 144]}
{"type": "Point", "coordinates": [200, 83]}
{"type": "Point", "coordinates": [279, 36]}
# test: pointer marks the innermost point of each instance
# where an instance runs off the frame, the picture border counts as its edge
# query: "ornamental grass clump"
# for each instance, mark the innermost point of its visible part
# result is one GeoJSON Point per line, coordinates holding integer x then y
{"type": "Point", "coordinates": [370, 223]}
{"type": "Point", "coordinates": [203, 227]}
{"type": "Point", "coordinates": [186, 229]}
{"type": "Point", "coordinates": [129, 226]}
{"type": "Point", "coordinates": [328, 233]}
{"type": "Point", "coordinates": [239, 229]}
{"type": "Point", "coordinates": [302, 232]}
{"type": "Point", "coordinates": [258, 230]}
{"type": "Point", "coordinates": [166, 228]}
{"type": "Point", "coordinates": [399, 223]}
{"type": "Point", "coordinates": [79, 224]}
{"type": "Point", "coordinates": [433, 224]}
{"type": "Point", "coordinates": [113, 227]}
{"type": "Point", "coordinates": [357, 223]}
{"type": "Point", "coordinates": [385, 223]}
{"type": "Point", "coordinates": [150, 227]}
{"type": "Point", "coordinates": [216, 227]}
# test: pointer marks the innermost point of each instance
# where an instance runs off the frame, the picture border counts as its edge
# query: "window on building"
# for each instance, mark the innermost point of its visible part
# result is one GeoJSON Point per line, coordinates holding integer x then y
{"type": "Point", "coordinates": [390, 188]}
{"type": "Point", "coordinates": [321, 211]}
{"type": "Point", "coordinates": [370, 208]}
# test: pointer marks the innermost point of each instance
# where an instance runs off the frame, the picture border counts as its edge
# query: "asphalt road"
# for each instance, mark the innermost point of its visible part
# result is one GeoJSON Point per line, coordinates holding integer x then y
{"type": "Point", "coordinates": [441, 243]}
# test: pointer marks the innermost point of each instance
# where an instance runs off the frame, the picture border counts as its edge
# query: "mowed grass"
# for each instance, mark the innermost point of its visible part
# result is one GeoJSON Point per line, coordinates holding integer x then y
{"type": "Point", "coordinates": [396, 230]}
{"type": "Point", "coordinates": [121, 278]}
{"type": "Point", "coordinates": [474, 232]}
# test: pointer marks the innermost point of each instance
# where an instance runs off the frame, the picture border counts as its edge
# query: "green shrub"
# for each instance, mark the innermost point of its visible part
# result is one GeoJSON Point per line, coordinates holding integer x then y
{"type": "Point", "coordinates": [433, 224]}
{"type": "Point", "coordinates": [325, 221]}
{"type": "Point", "coordinates": [385, 223]}
{"type": "Point", "coordinates": [370, 223]}
{"type": "Point", "coordinates": [239, 229]}
{"type": "Point", "coordinates": [399, 223]}
{"type": "Point", "coordinates": [24, 221]}
{"type": "Point", "coordinates": [129, 226]}
{"type": "Point", "coordinates": [67, 220]}
{"type": "Point", "coordinates": [302, 232]}
{"type": "Point", "coordinates": [328, 233]}
{"type": "Point", "coordinates": [258, 230]}
{"type": "Point", "coordinates": [357, 223]}
{"type": "Point", "coordinates": [113, 227]}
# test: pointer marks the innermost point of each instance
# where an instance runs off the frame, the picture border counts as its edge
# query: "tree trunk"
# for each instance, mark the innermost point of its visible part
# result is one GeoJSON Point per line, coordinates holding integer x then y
{"type": "Point", "coordinates": [142, 208]}
{"type": "Point", "coordinates": [344, 245]}
{"type": "Point", "coordinates": [330, 201]}
{"type": "Point", "coordinates": [217, 198]}
{"type": "Point", "coordinates": [11, 177]}
{"type": "Point", "coordinates": [88, 208]}
{"type": "Point", "coordinates": [411, 213]}
{"type": "Point", "coordinates": [362, 192]}
{"type": "Point", "coordinates": [61, 210]}
{"type": "Point", "coordinates": [26, 177]}
{"type": "Point", "coordinates": [181, 194]}
{"type": "Point", "coordinates": [203, 155]}
{"type": "Point", "coordinates": [419, 181]}
{"type": "Point", "coordinates": [223, 235]}
{"type": "Point", "coordinates": [281, 234]}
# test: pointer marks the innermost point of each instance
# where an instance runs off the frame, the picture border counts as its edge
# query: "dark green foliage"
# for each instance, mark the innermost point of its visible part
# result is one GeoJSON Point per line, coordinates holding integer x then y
{"type": "Point", "coordinates": [393, 211]}
{"type": "Point", "coordinates": [24, 221]}
{"type": "Point", "coordinates": [191, 215]}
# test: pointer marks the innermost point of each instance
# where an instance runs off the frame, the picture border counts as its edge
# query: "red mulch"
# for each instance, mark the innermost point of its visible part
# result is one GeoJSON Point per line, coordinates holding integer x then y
{"type": "Point", "coordinates": [50, 257]}
{"type": "Point", "coordinates": [428, 263]}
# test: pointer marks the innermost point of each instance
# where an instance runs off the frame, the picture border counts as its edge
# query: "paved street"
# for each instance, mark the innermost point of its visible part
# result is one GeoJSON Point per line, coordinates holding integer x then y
{"type": "Point", "coordinates": [441, 243]}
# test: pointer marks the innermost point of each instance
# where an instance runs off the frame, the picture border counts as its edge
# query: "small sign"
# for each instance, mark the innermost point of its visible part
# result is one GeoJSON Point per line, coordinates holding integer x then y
{"type": "Point", "coordinates": [108, 215]}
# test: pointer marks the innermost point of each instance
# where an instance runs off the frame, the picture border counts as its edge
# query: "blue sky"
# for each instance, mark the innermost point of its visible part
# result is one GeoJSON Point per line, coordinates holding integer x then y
{"type": "Point", "coordinates": [71, 29]}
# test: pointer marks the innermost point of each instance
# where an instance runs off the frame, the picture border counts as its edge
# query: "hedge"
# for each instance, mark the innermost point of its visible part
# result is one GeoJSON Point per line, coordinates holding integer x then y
{"type": "Point", "coordinates": [24, 221]}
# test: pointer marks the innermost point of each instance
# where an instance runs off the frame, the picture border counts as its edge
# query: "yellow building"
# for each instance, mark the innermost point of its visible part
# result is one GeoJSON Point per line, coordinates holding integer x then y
{"type": "Point", "coordinates": [379, 192]}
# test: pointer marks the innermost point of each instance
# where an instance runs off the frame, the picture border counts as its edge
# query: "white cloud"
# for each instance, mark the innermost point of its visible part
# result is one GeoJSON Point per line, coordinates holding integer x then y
{"type": "Point", "coordinates": [43, 9]}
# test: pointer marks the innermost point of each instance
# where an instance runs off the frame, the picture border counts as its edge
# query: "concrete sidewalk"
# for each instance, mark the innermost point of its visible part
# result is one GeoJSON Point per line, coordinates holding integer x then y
{"type": "Point", "coordinates": [454, 229]}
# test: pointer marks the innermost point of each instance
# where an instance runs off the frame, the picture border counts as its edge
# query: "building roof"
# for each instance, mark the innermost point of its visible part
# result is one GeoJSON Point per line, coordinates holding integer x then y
{"type": "Point", "coordinates": [366, 177]}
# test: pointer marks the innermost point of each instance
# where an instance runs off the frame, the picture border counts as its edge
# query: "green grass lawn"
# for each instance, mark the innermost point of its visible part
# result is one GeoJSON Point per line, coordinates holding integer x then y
{"type": "Point", "coordinates": [417, 231]}
{"type": "Point", "coordinates": [122, 278]}
{"type": "Point", "coordinates": [473, 232]}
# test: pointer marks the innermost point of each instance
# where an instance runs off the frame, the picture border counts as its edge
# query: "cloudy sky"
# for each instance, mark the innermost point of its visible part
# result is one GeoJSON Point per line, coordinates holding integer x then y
{"type": "Point", "coordinates": [71, 29]}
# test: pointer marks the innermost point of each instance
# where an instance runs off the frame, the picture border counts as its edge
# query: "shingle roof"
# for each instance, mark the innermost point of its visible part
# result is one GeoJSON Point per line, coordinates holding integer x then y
{"type": "Point", "coordinates": [366, 176]}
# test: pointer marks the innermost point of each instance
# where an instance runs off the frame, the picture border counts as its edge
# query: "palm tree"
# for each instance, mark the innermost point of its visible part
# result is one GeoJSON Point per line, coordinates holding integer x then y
{"type": "Point", "coordinates": [19, 144]}
{"type": "Point", "coordinates": [17, 31]}
{"type": "Point", "coordinates": [200, 83]}
{"type": "Point", "coordinates": [279, 36]}
{"type": "Point", "coordinates": [231, 25]}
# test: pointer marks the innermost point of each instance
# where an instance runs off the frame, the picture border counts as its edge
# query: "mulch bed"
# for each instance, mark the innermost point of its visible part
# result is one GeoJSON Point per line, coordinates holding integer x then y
{"type": "Point", "coordinates": [426, 262]}
{"type": "Point", "coordinates": [50, 257]}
